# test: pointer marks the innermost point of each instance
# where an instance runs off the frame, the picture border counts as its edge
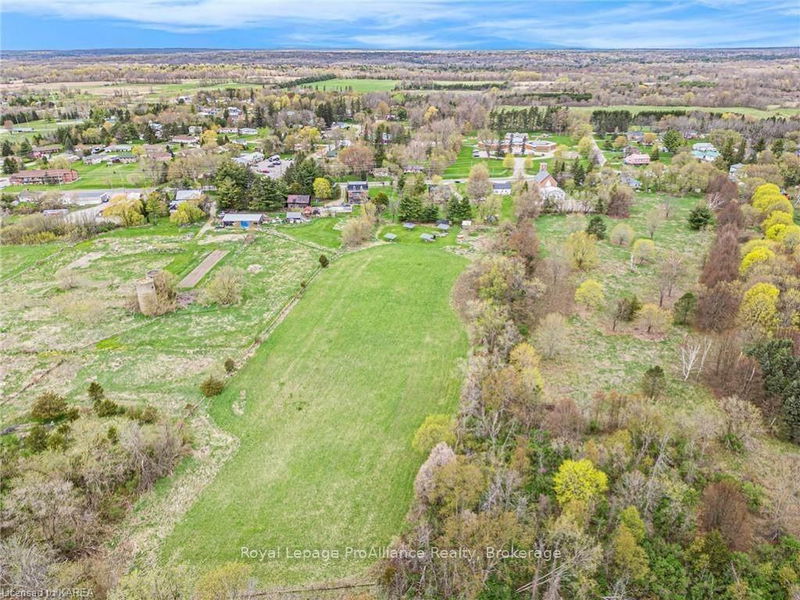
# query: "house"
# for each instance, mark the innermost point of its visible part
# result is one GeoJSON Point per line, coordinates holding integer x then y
{"type": "Point", "coordinates": [637, 159]}
{"type": "Point", "coordinates": [85, 197]}
{"type": "Point", "coordinates": [124, 158]}
{"type": "Point", "coordinates": [227, 130]}
{"type": "Point", "coordinates": [96, 159]}
{"type": "Point", "coordinates": [40, 151]}
{"type": "Point", "coordinates": [427, 237]}
{"type": "Point", "coordinates": [244, 220]}
{"type": "Point", "coordinates": [248, 131]}
{"type": "Point", "coordinates": [635, 136]}
{"type": "Point", "coordinates": [705, 151]}
{"type": "Point", "coordinates": [390, 237]}
{"type": "Point", "coordinates": [182, 196]}
{"type": "Point", "coordinates": [184, 139]}
{"type": "Point", "coordinates": [119, 148]}
{"type": "Point", "coordinates": [357, 191]}
{"type": "Point", "coordinates": [503, 188]}
{"type": "Point", "coordinates": [630, 181]}
{"type": "Point", "coordinates": [543, 179]}
{"type": "Point", "coordinates": [298, 201]}
{"type": "Point", "coordinates": [295, 217]}
{"type": "Point", "coordinates": [44, 177]}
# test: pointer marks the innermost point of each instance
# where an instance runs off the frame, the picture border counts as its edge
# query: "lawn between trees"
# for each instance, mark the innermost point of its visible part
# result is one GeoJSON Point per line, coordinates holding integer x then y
{"type": "Point", "coordinates": [325, 413]}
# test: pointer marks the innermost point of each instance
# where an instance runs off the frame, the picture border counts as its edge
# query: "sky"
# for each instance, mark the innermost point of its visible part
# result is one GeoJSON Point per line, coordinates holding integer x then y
{"type": "Point", "coordinates": [397, 24]}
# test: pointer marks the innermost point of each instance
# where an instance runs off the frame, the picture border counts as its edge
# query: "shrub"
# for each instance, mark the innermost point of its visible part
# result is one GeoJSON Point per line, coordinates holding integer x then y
{"type": "Point", "coordinates": [230, 366]}
{"type": "Point", "coordinates": [49, 407]}
{"type": "Point", "coordinates": [700, 218]}
{"type": "Point", "coordinates": [106, 408]}
{"type": "Point", "coordinates": [186, 213]}
{"type": "Point", "coordinates": [146, 415]}
{"type": "Point", "coordinates": [683, 311]}
{"type": "Point", "coordinates": [323, 261]}
{"type": "Point", "coordinates": [643, 251]}
{"type": "Point", "coordinates": [597, 227]}
{"type": "Point", "coordinates": [653, 382]}
{"type": "Point", "coordinates": [777, 217]}
{"type": "Point", "coordinates": [551, 335]}
{"type": "Point", "coordinates": [590, 294]}
{"type": "Point", "coordinates": [225, 288]}
{"type": "Point", "coordinates": [653, 318]}
{"type": "Point", "coordinates": [582, 250]}
{"type": "Point", "coordinates": [96, 392]}
{"type": "Point", "coordinates": [212, 386]}
{"type": "Point", "coordinates": [435, 429]}
{"type": "Point", "coordinates": [756, 256]}
{"type": "Point", "coordinates": [626, 310]}
{"type": "Point", "coordinates": [621, 234]}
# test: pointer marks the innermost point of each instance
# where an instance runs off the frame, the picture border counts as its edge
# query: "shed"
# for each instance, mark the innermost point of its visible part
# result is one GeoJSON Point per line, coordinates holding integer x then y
{"type": "Point", "coordinates": [295, 217]}
{"type": "Point", "coordinates": [244, 220]}
{"type": "Point", "coordinates": [443, 227]}
{"type": "Point", "coordinates": [390, 237]}
{"type": "Point", "coordinates": [427, 237]}
{"type": "Point", "coordinates": [409, 226]}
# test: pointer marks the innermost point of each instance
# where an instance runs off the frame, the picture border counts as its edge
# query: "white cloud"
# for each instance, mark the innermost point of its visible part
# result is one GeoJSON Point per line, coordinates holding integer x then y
{"type": "Point", "coordinates": [454, 23]}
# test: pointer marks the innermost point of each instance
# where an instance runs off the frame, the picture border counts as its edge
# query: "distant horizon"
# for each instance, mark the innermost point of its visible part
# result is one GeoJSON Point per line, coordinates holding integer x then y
{"type": "Point", "coordinates": [392, 50]}
{"type": "Point", "coordinates": [433, 25]}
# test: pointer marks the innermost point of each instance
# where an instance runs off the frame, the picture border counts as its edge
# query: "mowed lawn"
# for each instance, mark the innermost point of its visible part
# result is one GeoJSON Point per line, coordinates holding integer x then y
{"type": "Point", "coordinates": [326, 411]}
{"type": "Point", "coordinates": [362, 86]}
{"type": "Point", "coordinates": [463, 163]}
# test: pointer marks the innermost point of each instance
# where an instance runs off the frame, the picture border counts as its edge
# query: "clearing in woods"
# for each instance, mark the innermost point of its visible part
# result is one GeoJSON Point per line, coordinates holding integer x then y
{"type": "Point", "coordinates": [325, 413]}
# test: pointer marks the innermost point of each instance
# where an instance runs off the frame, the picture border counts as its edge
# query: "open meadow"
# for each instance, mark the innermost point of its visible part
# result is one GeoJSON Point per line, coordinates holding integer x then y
{"type": "Point", "coordinates": [60, 339]}
{"type": "Point", "coordinates": [325, 413]}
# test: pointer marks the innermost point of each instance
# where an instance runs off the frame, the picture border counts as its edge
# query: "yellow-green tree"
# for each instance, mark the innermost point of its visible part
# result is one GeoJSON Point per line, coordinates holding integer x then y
{"type": "Point", "coordinates": [322, 188]}
{"type": "Point", "coordinates": [508, 161]}
{"type": "Point", "coordinates": [777, 217]}
{"type": "Point", "coordinates": [643, 251]}
{"type": "Point", "coordinates": [582, 250]}
{"type": "Point", "coordinates": [578, 480]}
{"type": "Point", "coordinates": [629, 556]}
{"type": "Point", "coordinates": [759, 308]}
{"type": "Point", "coordinates": [186, 213]}
{"type": "Point", "coordinates": [653, 318]}
{"type": "Point", "coordinates": [434, 429]}
{"type": "Point", "coordinates": [590, 294]}
{"type": "Point", "coordinates": [757, 255]}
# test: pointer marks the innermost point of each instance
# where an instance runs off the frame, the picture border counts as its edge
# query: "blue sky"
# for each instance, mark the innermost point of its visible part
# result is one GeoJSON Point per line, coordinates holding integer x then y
{"type": "Point", "coordinates": [398, 24]}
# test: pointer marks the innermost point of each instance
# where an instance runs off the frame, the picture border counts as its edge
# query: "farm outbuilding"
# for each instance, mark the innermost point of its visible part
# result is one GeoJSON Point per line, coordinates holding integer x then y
{"type": "Point", "coordinates": [244, 220]}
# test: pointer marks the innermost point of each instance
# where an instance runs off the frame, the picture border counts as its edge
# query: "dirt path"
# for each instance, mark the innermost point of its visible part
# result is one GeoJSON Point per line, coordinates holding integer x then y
{"type": "Point", "coordinates": [204, 267]}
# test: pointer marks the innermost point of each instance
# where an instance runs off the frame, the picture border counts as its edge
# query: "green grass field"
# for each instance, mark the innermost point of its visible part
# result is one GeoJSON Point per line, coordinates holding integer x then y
{"type": "Point", "coordinates": [324, 232]}
{"type": "Point", "coordinates": [460, 168]}
{"type": "Point", "coordinates": [97, 177]}
{"type": "Point", "coordinates": [325, 413]}
{"type": "Point", "coordinates": [634, 108]}
{"type": "Point", "coordinates": [362, 86]}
